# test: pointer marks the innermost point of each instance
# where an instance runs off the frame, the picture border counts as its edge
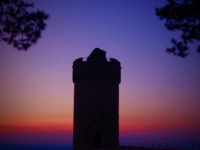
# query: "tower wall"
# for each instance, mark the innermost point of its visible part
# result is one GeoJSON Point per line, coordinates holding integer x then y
{"type": "Point", "coordinates": [96, 101]}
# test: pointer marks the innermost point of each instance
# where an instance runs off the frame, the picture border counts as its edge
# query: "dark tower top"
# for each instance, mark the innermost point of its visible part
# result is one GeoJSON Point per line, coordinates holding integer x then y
{"type": "Point", "coordinates": [98, 53]}
{"type": "Point", "coordinates": [96, 101]}
{"type": "Point", "coordinates": [96, 65]}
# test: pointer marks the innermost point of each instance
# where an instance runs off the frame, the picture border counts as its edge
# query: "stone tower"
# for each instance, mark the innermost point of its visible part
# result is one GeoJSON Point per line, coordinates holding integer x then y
{"type": "Point", "coordinates": [96, 101]}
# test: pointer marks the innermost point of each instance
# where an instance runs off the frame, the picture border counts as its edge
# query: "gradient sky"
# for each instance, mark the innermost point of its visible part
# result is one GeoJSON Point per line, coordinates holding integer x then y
{"type": "Point", "coordinates": [159, 93]}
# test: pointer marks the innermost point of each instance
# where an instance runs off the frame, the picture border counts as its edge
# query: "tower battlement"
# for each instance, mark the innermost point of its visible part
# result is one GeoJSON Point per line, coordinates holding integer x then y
{"type": "Point", "coordinates": [96, 67]}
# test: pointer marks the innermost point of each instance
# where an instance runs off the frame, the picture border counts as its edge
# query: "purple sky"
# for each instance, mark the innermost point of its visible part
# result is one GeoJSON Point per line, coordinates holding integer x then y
{"type": "Point", "coordinates": [159, 93]}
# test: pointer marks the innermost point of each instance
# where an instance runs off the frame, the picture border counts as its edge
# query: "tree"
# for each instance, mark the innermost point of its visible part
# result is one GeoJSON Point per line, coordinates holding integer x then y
{"type": "Point", "coordinates": [18, 26]}
{"type": "Point", "coordinates": [184, 16]}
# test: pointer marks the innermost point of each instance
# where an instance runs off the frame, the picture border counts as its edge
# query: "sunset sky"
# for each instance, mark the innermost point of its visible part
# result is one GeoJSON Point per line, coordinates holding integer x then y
{"type": "Point", "coordinates": [159, 93]}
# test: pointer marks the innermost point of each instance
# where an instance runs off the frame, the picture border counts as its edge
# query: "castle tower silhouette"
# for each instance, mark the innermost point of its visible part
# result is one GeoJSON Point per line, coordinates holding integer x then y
{"type": "Point", "coordinates": [96, 101]}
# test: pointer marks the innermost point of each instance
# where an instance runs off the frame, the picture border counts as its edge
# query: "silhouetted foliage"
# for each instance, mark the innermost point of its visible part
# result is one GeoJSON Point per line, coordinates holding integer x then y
{"type": "Point", "coordinates": [184, 16]}
{"type": "Point", "coordinates": [18, 26]}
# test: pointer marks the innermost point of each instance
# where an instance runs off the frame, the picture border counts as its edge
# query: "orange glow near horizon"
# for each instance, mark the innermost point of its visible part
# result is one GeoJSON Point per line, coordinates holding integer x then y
{"type": "Point", "coordinates": [30, 128]}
